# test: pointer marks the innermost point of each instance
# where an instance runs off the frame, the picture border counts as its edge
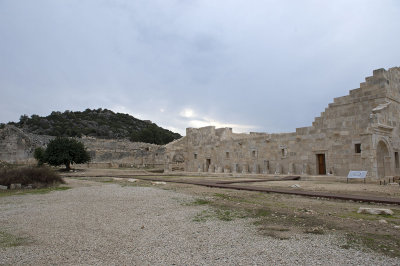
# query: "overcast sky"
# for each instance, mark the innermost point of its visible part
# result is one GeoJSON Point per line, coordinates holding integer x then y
{"type": "Point", "coordinates": [252, 65]}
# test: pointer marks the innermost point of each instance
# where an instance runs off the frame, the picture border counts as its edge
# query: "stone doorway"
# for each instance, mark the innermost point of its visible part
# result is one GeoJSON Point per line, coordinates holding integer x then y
{"type": "Point", "coordinates": [208, 163]}
{"type": "Point", "coordinates": [321, 165]}
{"type": "Point", "coordinates": [382, 159]}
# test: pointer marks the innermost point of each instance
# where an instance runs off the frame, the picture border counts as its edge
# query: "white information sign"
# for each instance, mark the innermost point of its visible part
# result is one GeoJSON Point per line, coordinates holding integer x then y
{"type": "Point", "coordinates": [357, 174]}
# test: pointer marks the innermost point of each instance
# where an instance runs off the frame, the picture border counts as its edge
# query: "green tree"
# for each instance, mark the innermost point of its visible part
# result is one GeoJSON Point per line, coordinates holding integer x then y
{"type": "Point", "coordinates": [65, 151]}
{"type": "Point", "coordinates": [39, 155]}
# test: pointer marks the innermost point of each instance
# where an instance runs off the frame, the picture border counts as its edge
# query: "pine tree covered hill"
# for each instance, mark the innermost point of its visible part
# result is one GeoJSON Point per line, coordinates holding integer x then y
{"type": "Point", "coordinates": [100, 123]}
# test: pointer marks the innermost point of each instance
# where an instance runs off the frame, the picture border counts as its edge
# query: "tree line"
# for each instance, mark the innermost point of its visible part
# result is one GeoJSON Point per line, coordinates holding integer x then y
{"type": "Point", "coordinates": [99, 123]}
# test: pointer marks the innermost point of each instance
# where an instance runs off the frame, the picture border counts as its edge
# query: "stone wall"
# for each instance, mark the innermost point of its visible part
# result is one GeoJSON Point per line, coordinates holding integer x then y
{"type": "Point", "coordinates": [359, 131]}
{"type": "Point", "coordinates": [17, 146]}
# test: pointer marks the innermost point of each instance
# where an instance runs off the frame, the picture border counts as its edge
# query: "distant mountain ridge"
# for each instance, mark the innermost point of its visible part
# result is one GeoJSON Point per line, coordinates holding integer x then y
{"type": "Point", "coordinates": [99, 123]}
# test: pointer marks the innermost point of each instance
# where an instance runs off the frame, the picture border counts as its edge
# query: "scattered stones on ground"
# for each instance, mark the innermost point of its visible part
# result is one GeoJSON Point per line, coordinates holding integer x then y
{"type": "Point", "coordinates": [383, 221]}
{"type": "Point", "coordinates": [295, 186]}
{"type": "Point", "coordinates": [158, 183]}
{"type": "Point", "coordinates": [15, 186]}
{"type": "Point", "coordinates": [132, 180]}
{"type": "Point", "coordinates": [375, 211]}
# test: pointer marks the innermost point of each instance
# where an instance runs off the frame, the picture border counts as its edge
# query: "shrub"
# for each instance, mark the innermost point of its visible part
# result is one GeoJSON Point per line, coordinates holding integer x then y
{"type": "Point", "coordinates": [39, 155]}
{"type": "Point", "coordinates": [38, 176]}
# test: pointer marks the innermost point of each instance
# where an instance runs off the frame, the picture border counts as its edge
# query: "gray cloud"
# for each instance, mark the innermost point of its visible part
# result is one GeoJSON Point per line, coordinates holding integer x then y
{"type": "Point", "coordinates": [256, 65]}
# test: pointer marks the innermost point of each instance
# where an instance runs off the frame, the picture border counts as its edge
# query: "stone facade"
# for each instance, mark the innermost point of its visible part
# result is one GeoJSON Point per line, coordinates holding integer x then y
{"type": "Point", "coordinates": [359, 131]}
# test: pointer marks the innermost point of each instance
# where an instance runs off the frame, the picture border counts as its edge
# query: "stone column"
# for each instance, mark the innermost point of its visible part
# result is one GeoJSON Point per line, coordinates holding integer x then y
{"type": "Point", "coordinates": [292, 169]}
{"type": "Point", "coordinates": [305, 171]}
{"type": "Point", "coordinates": [278, 169]}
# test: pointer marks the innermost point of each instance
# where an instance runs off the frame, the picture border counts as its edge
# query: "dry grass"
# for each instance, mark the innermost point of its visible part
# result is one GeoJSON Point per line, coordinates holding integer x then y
{"type": "Point", "coordinates": [37, 176]}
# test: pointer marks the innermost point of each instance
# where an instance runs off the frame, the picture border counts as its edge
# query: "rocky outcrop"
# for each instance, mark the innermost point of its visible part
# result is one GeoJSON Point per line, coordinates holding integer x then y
{"type": "Point", "coordinates": [17, 146]}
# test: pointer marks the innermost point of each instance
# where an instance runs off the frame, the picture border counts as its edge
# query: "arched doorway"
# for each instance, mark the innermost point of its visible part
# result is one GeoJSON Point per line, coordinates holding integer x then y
{"type": "Point", "coordinates": [383, 159]}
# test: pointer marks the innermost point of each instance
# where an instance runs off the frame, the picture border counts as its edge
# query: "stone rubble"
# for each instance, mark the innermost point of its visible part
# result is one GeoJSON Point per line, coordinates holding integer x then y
{"type": "Point", "coordinates": [375, 211]}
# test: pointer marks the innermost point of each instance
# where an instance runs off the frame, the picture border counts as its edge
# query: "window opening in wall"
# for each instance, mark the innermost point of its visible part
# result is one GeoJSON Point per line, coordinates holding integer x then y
{"type": "Point", "coordinates": [195, 156]}
{"type": "Point", "coordinates": [253, 153]}
{"type": "Point", "coordinates": [357, 148]}
{"type": "Point", "coordinates": [283, 152]}
{"type": "Point", "coordinates": [227, 154]}
{"type": "Point", "coordinates": [396, 159]}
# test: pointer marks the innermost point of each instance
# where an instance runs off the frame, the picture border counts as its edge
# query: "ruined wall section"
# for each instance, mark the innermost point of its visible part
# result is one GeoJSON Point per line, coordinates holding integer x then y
{"type": "Point", "coordinates": [176, 159]}
{"type": "Point", "coordinates": [124, 153]}
{"type": "Point", "coordinates": [17, 146]}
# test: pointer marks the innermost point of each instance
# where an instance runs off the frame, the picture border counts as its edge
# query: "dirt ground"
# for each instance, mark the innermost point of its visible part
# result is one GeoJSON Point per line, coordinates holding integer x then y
{"type": "Point", "coordinates": [322, 184]}
{"type": "Point", "coordinates": [353, 188]}
{"type": "Point", "coordinates": [283, 216]}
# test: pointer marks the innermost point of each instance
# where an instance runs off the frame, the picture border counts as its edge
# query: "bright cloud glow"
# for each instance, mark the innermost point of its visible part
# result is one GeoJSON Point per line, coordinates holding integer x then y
{"type": "Point", "coordinates": [187, 113]}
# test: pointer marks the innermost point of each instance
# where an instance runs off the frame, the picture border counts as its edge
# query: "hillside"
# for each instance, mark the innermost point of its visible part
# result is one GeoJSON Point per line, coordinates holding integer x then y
{"type": "Point", "coordinates": [100, 123]}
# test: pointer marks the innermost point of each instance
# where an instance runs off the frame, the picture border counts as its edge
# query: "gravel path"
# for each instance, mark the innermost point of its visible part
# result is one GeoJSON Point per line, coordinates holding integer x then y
{"type": "Point", "coordinates": [108, 224]}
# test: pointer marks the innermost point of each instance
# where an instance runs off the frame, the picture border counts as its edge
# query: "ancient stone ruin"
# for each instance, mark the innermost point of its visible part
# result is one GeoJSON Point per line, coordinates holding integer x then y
{"type": "Point", "coordinates": [359, 131]}
{"type": "Point", "coordinates": [17, 146]}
